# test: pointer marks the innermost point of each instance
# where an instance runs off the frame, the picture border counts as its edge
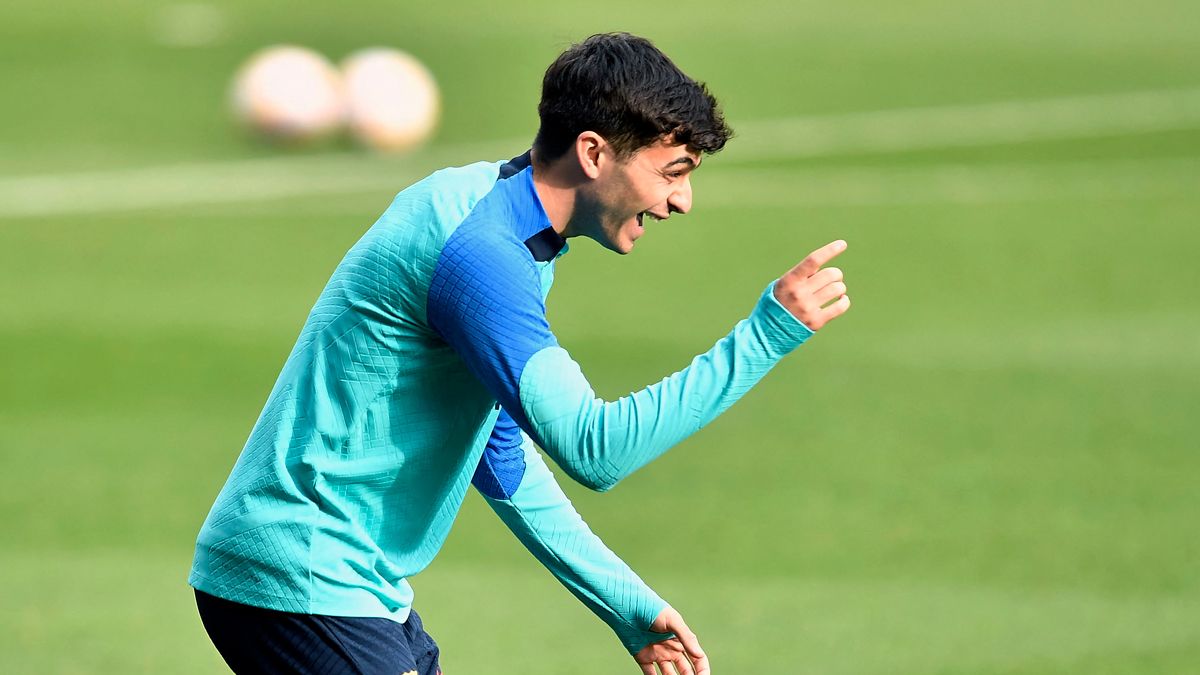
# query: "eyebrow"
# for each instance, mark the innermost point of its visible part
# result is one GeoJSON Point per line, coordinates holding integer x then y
{"type": "Point", "coordinates": [681, 160]}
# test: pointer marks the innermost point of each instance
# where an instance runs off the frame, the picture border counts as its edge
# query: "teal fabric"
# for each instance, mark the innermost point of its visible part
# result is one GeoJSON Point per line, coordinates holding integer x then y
{"type": "Point", "coordinates": [543, 519]}
{"type": "Point", "coordinates": [361, 457]}
{"type": "Point", "coordinates": [359, 462]}
{"type": "Point", "coordinates": [598, 443]}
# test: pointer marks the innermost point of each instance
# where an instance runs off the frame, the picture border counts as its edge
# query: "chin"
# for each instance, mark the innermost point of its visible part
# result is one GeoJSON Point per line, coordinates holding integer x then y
{"type": "Point", "coordinates": [619, 244]}
{"type": "Point", "coordinates": [624, 248]}
{"type": "Point", "coordinates": [618, 240]}
{"type": "Point", "coordinates": [626, 243]}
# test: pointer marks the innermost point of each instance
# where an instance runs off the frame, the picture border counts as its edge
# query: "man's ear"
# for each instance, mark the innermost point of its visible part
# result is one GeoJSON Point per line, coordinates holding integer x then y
{"type": "Point", "coordinates": [592, 151]}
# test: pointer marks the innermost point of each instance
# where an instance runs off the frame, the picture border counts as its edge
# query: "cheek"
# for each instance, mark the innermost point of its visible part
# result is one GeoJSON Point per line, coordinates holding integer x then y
{"type": "Point", "coordinates": [657, 196]}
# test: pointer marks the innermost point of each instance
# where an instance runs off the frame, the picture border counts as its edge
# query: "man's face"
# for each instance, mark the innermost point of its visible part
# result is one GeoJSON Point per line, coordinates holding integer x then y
{"type": "Point", "coordinates": [649, 185]}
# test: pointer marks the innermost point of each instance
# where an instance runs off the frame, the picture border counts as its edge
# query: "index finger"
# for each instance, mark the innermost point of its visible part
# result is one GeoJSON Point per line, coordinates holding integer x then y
{"type": "Point", "coordinates": [818, 258]}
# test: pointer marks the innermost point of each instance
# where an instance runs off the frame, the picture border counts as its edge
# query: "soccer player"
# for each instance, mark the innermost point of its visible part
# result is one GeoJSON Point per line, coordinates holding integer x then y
{"type": "Point", "coordinates": [427, 364]}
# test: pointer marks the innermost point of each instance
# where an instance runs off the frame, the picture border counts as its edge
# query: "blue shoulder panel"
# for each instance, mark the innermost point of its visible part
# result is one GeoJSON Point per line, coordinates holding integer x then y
{"type": "Point", "coordinates": [485, 298]}
{"type": "Point", "coordinates": [503, 462]}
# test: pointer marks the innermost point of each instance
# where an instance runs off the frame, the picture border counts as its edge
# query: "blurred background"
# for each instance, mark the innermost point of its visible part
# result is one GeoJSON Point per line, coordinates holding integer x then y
{"type": "Point", "coordinates": [988, 466]}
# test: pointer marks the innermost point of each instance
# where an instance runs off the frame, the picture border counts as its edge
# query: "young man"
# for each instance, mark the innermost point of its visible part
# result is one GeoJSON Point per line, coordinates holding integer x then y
{"type": "Point", "coordinates": [427, 363]}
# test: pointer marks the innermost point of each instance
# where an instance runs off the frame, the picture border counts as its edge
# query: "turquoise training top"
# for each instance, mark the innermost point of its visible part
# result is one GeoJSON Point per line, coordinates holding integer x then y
{"type": "Point", "coordinates": [428, 363]}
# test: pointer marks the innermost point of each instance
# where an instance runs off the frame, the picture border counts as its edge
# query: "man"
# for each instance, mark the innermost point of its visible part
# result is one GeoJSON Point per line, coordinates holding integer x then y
{"type": "Point", "coordinates": [427, 363]}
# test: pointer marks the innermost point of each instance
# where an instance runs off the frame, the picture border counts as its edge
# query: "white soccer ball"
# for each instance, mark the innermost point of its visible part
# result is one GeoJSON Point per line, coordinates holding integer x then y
{"type": "Point", "coordinates": [289, 93]}
{"type": "Point", "coordinates": [392, 100]}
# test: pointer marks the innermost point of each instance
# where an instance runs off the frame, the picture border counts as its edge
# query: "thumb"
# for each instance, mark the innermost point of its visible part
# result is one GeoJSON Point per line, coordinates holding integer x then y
{"type": "Point", "coordinates": [674, 623]}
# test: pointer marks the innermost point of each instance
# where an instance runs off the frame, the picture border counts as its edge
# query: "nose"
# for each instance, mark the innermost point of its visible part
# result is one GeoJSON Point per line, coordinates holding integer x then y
{"type": "Point", "coordinates": [680, 200]}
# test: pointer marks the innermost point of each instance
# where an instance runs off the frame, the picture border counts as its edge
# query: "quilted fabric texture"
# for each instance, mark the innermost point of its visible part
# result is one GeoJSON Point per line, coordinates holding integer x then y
{"type": "Point", "coordinates": [390, 404]}
{"type": "Point", "coordinates": [486, 298]}
{"type": "Point", "coordinates": [546, 523]}
{"type": "Point", "coordinates": [600, 442]}
{"type": "Point", "coordinates": [357, 466]}
{"type": "Point", "coordinates": [502, 466]}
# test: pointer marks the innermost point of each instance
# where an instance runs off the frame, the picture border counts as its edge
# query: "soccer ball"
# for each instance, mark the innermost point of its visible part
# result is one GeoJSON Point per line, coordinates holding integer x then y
{"type": "Point", "coordinates": [289, 93]}
{"type": "Point", "coordinates": [392, 100]}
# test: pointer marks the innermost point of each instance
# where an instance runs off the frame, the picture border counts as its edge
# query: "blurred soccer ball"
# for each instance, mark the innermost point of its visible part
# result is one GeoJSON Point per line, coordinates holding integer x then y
{"type": "Point", "coordinates": [289, 93]}
{"type": "Point", "coordinates": [392, 100]}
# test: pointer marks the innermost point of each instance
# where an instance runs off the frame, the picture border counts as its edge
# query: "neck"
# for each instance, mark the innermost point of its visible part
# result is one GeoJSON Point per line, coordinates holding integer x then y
{"type": "Point", "coordinates": [557, 188]}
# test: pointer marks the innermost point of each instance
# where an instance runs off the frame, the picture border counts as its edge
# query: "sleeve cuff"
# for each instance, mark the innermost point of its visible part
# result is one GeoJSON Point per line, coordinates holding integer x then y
{"type": "Point", "coordinates": [634, 639]}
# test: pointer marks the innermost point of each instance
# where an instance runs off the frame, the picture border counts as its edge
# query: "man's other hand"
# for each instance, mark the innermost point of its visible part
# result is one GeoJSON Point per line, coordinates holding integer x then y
{"type": "Point", "coordinates": [813, 295]}
{"type": "Point", "coordinates": [681, 654]}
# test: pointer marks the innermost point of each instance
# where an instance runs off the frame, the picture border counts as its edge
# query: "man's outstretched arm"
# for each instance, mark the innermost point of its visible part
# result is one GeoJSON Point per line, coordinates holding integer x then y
{"type": "Point", "coordinates": [608, 440]}
{"type": "Point", "coordinates": [493, 315]}
{"type": "Point", "coordinates": [521, 490]}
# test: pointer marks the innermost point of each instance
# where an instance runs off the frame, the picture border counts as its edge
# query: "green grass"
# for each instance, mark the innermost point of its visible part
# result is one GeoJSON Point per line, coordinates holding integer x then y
{"type": "Point", "coordinates": [988, 466]}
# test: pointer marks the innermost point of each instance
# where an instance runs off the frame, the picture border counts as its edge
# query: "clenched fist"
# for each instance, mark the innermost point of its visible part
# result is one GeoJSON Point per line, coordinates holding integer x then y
{"type": "Point", "coordinates": [813, 295]}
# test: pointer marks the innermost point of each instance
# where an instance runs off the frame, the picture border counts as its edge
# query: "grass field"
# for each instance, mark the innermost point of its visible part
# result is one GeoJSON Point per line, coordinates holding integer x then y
{"type": "Point", "coordinates": [989, 466]}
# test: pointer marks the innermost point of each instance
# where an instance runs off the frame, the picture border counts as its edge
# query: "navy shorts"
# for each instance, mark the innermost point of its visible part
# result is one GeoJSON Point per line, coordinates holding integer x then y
{"type": "Point", "coordinates": [256, 640]}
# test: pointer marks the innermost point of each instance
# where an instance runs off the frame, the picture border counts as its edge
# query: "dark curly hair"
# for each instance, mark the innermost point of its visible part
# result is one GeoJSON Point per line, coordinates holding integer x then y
{"type": "Point", "coordinates": [623, 88]}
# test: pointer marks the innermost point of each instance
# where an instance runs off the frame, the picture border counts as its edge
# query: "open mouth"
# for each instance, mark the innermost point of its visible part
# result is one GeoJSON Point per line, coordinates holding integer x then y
{"type": "Point", "coordinates": [641, 217]}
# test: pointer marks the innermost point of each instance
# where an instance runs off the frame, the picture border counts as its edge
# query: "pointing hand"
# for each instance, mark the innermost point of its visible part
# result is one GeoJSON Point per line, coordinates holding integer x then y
{"type": "Point", "coordinates": [813, 295]}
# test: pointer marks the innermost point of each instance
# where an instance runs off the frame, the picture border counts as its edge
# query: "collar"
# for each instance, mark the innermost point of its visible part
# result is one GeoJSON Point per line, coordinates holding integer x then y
{"type": "Point", "coordinates": [529, 219]}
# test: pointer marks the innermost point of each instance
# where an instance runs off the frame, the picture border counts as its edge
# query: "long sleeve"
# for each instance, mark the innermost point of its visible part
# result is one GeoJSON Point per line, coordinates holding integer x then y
{"type": "Point", "coordinates": [485, 301]}
{"type": "Point", "coordinates": [600, 442]}
{"type": "Point", "coordinates": [521, 490]}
